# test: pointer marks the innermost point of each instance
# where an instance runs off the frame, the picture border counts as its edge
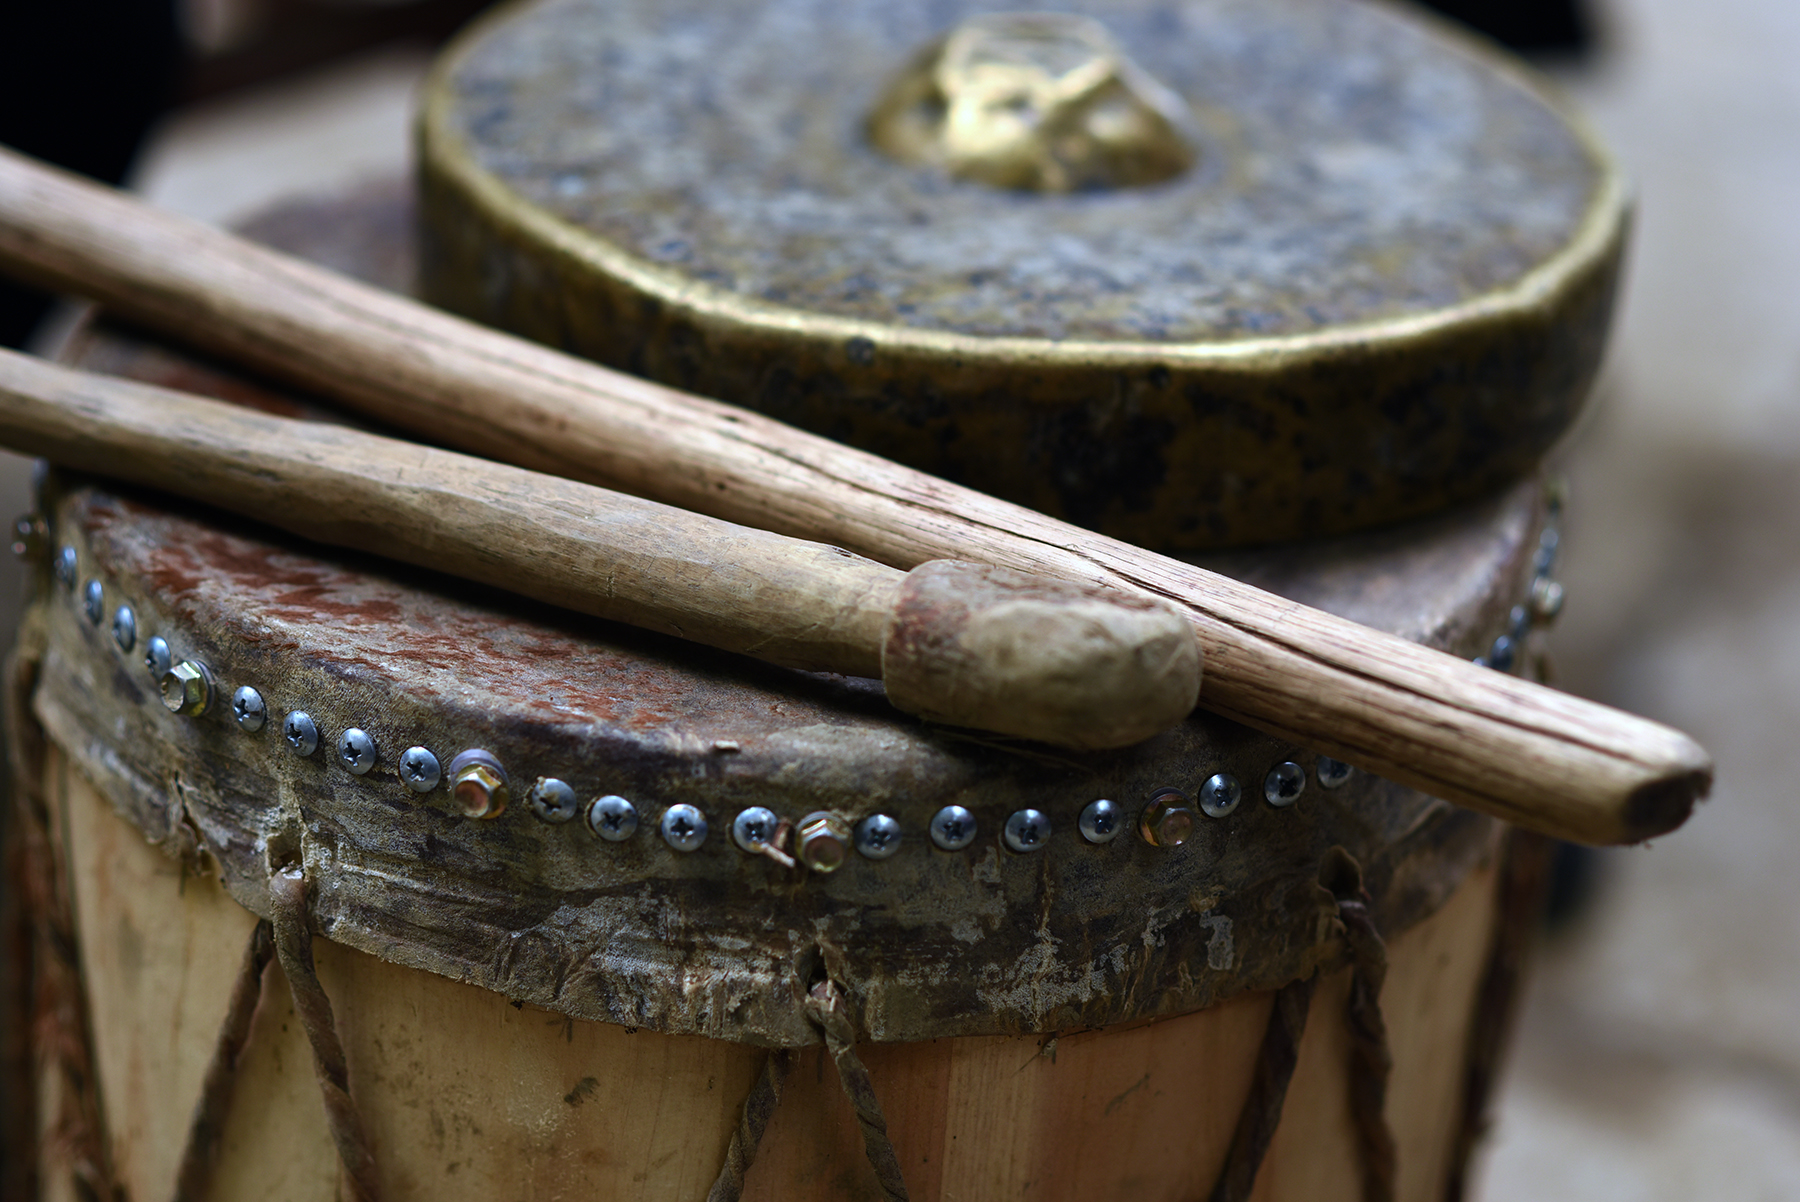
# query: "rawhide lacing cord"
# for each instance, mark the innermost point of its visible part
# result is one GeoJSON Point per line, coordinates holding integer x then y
{"type": "Point", "coordinates": [62, 1028]}
{"type": "Point", "coordinates": [293, 944]}
{"type": "Point", "coordinates": [1371, 1061]}
{"type": "Point", "coordinates": [198, 1158]}
{"type": "Point", "coordinates": [825, 1007]}
{"type": "Point", "coordinates": [1268, 1090]}
{"type": "Point", "coordinates": [1523, 889]}
{"type": "Point", "coordinates": [759, 1108]}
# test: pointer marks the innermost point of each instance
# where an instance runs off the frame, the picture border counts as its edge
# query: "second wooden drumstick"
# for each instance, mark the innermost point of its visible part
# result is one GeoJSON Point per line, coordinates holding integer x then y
{"type": "Point", "coordinates": [958, 643]}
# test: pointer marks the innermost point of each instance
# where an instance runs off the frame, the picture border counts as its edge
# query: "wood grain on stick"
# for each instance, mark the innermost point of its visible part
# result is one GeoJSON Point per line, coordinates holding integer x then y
{"type": "Point", "coordinates": [1004, 661]}
{"type": "Point", "coordinates": [1542, 759]}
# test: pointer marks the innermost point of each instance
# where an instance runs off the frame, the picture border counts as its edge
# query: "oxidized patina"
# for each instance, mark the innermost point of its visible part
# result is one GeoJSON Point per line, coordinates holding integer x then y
{"type": "Point", "coordinates": [1383, 286]}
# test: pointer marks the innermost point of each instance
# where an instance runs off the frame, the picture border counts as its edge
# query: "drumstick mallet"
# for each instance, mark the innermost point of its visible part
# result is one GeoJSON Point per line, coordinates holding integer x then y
{"type": "Point", "coordinates": [958, 643]}
{"type": "Point", "coordinates": [1481, 738]}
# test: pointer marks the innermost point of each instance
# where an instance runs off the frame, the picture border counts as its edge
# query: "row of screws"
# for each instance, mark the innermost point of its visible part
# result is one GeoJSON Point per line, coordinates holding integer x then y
{"type": "Point", "coordinates": [482, 789]}
{"type": "Point", "coordinates": [1542, 605]}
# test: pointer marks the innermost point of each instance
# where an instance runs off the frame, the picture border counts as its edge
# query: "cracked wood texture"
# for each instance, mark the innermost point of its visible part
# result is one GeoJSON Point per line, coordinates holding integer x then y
{"type": "Point", "coordinates": [1495, 743]}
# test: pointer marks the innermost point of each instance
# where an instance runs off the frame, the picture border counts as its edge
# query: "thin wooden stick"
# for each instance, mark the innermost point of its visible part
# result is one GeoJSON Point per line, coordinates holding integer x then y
{"type": "Point", "coordinates": [960, 643]}
{"type": "Point", "coordinates": [1545, 760]}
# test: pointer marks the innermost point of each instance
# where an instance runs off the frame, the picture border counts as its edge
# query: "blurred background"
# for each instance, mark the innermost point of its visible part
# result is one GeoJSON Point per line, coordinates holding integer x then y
{"type": "Point", "coordinates": [1659, 1051]}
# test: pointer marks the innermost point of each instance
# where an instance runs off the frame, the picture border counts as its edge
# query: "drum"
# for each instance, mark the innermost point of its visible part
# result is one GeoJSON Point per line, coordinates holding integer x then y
{"type": "Point", "coordinates": [417, 890]}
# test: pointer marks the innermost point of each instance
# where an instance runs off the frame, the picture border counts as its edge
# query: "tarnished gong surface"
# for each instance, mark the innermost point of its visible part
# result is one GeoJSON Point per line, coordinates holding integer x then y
{"type": "Point", "coordinates": [1382, 288]}
{"type": "Point", "coordinates": [715, 942]}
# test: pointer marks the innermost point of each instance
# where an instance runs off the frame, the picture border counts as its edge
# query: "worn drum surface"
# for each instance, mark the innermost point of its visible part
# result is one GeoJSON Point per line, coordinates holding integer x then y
{"type": "Point", "coordinates": [531, 1010]}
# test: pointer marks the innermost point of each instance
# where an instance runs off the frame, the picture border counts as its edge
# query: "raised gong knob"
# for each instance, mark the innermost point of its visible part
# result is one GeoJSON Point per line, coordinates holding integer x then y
{"type": "Point", "coordinates": [1044, 102]}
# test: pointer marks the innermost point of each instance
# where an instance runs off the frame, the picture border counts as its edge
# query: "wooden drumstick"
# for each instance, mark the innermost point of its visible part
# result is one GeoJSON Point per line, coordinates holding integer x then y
{"type": "Point", "coordinates": [1493, 742]}
{"type": "Point", "coordinates": [960, 643]}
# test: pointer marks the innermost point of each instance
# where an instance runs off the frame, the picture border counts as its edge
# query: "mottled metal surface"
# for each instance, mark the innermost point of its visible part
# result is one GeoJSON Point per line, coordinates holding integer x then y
{"type": "Point", "coordinates": [716, 942]}
{"type": "Point", "coordinates": [1383, 289]}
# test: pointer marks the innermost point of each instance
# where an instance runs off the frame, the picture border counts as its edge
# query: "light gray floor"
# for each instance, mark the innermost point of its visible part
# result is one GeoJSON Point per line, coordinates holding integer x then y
{"type": "Point", "coordinates": [1660, 1052]}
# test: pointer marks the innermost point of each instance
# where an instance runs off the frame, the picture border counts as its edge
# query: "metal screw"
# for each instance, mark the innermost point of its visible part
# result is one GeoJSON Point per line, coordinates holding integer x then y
{"type": "Point", "coordinates": [124, 628]}
{"type": "Point", "coordinates": [1332, 773]}
{"type": "Point", "coordinates": [753, 828]}
{"type": "Point", "coordinates": [1168, 820]}
{"type": "Point", "coordinates": [1548, 543]}
{"type": "Point", "coordinates": [1220, 795]}
{"type": "Point", "coordinates": [156, 656]}
{"type": "Point", "coordinates": [419, 769]}
{"type": "Point", "coordinates": [65, 566]}
{"type": "Point", "coordinates": [187, 689]}
{"type": "Point", "coordinates": [613, 818]}
{"type": "Point", "coordinates": [1518, 622]}
{"type": "Point", "coordinates": [683, 827]}
{"type": "Point", "coordinates": [1546, 600]}
{"type": "Point", "coordinates": [1284, 784]}
{"type": "Point", "coordinates": [301, 733]}
{"type": "Point", "coordinates": [878, 836]}
{"type": "Point", "coordinates": [1026, 830]}
{"type": "Point", "coordinates": [248, 708]}
{"type": "Point", "coordinates": [552, 800]}
{"type": "Point", "coordinates": [1100, 821]}
{"type": "Point", "coordinates": [824, 841]}
{"type": "Point", "coordinates": [31, 538]}
{"type": "Point", "coordinates": [356, 751]}
{"type": "Point", "coordinates": [93, 602]}
{"type": "Point", "coordinates": [1500, 655]}
{"type": "Point", "coordinates": [479, 784]}
{"type": "Point", "coordinates": [953, 828]}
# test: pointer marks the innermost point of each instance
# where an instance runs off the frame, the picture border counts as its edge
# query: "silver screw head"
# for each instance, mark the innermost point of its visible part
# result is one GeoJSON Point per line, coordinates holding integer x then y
{"type": "Point", "coordinates": [753, 828]}
{"type": "Point", "coordinates": [301, 733]}
{"type": "Point", "coordinates": [1284, 784]}
{"type": "Point", "coordinates": [1546, 600]}
{"type": "Point", "coordinates": [1100, 821]}
{"type": "Point", "coordinates": [1026, 830]}
{"type": "Point", "coordinates": [65, 566]}
{"type": "Point", "coordinates": [248, 708]}
{"type": "Point", "coordinates": [1501, 654]}
{"type": "Point", "coordinates": [1548, 543]}
{"type": "Point", "coordinates": [953, 828]}
{"type": "Point", "coordinates": [878, 836]}
{"type": "Point", "coordinates": [612, 818]}
{"type": "Point", "coordinates": [157, 659]}
{"type": "Point", "coordinates": [356, 751]}
{"type": "Point", "coordinates": [1168, 821]}
{"type": "Point", "coordinates": [419, 769]}
{"type": "Point", "coordinates": [824, 841]}
{"type": "Point", "coordinates": [683, 827]}
{"type": "Point", "coordinates": [1518, 622]}
{"type": "Point", "coordinates": [93, 602]}
{"type": "Point", "coordinates": [124, 628]}
{"type": "Point", "coordinates": [1332, 773]}
{"type": "Point", "coordinates": [479, 784]}
{"type": "Point", "coordinates": [552, 800]}
{"type": "Point", "coordinates": [187, 689]}
{"type": "Point", "coordinates": [1220, 795]}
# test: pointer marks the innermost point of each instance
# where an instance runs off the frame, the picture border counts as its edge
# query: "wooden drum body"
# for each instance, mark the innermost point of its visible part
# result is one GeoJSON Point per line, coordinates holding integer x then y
{"type": "Point", "coordinates": [529, 1010]}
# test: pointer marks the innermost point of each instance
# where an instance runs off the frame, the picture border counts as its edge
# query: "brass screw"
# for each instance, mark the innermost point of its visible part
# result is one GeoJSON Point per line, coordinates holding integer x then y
{"type": "Point", "coordinates": [187, 689]}
{"type": "Point", "coordinates": [824, 841]}
{"type": "Point", "coordinates": [480, 791]}
{"type": "Point", "coordinates": [1546, 600]}
{"type": "Point", "coordinates": [1168, 820]}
